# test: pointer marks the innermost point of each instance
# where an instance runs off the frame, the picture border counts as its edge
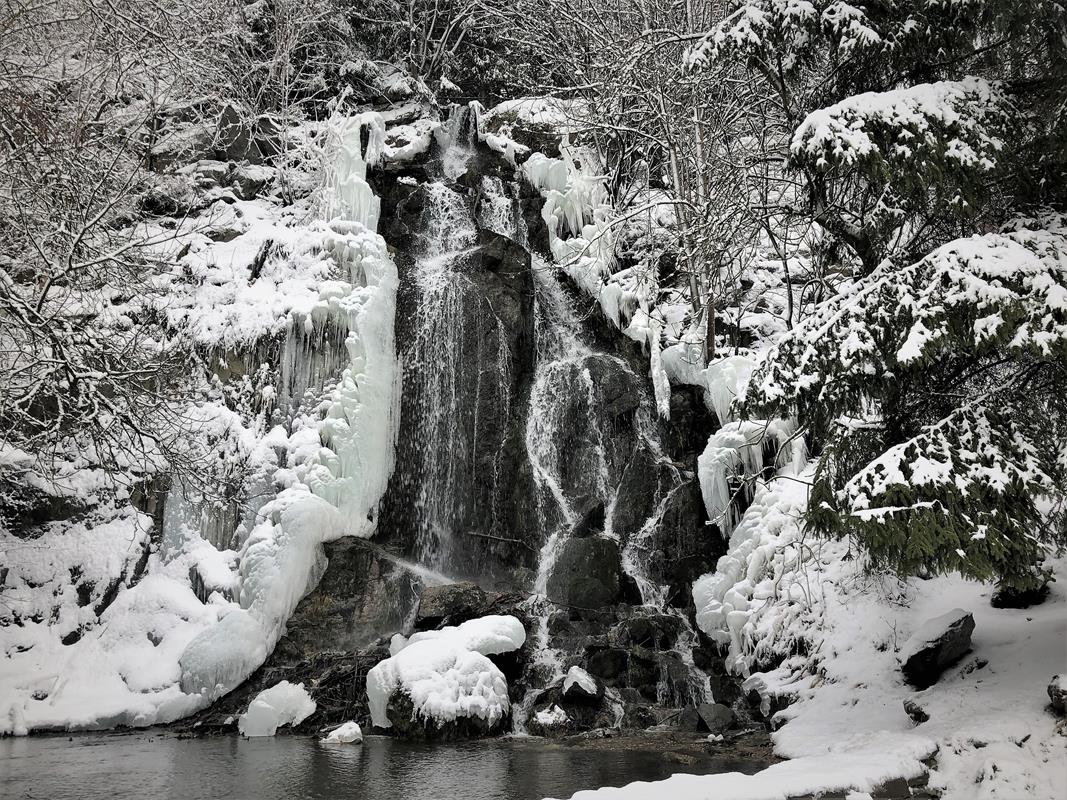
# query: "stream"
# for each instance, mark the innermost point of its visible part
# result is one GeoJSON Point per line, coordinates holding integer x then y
{"type": "Point", "coordinates": [159, 765]}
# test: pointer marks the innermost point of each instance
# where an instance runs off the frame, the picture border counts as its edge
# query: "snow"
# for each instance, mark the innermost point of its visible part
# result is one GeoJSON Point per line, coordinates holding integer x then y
{"type": "Point", "coordinates": [348, 733]}
{"type": "Point", "coordinates": [282, 704]}
{"type": "Point", "coordinates": [577, 675]}
{"type": "Point", "coordinates": [550, 717]}
{"type": "Point", "coordinates": [158, 652]}
{"type": "Point", "coordinates": [778, 592]}
{"type": "Point", "coordinates": [446, 673]}
{"type": "Point", "coordinates": [953, 117]}
{"type": "Point", "coordinates": [334, 488]}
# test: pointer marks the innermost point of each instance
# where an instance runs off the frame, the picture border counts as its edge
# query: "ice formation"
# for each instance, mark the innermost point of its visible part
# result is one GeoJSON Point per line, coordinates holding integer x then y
{"type": "Point", "coordinates": [446, 673]}
{"type": "Point", "coordinates": [282, 704]}
{"type": "Point", "coordinates": [347, 733]}
{"type": "Point", "coordinates": [335, 490]}
{"type": "Point", "coordinates": [195, 619]}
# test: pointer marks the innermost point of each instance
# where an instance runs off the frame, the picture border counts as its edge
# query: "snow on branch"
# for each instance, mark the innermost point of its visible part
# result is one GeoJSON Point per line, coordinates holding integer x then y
{"type": "Point", "coordinates": [971, 478]}
{"type": "Point", "coordinates": [932, 128]}
{"type": "Point", "coordinates": [1000, 293]}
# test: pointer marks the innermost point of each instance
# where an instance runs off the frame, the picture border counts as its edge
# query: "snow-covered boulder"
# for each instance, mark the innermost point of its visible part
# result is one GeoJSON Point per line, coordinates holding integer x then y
{"type": "Point", "coordinates": [937, 644]}
{"type": "Point", "coordinates": [443, 683]}
{"type": "Point", "coordinates": [348, 733]}
{"type": "Point", "coordinates": [282, 704]}
{"type": "Point", "coordinates": [581, 687]}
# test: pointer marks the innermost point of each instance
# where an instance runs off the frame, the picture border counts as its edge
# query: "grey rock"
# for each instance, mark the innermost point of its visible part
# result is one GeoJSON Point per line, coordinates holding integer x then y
{"type": "Point", "coordinates": [716, 717]}
{"type": "Point", "coordinates": [938, 644]}
{"type": "Point", "coordinates": [450, 604]}
{"type": "Point", "coordinates": [688, 719]}
{"type": "Point", "coordinates": [586, 573]}
{"type": "Point", "coordinates": [608, 663]}
{"type": "Point", "coordinates": [915, 711]}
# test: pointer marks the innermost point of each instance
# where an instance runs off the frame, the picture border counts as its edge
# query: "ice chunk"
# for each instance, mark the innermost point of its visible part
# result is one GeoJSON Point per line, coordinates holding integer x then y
{"type": "Point", "coordinates": [282, 704]}
{"type": "Point", "coordinates": [348, 733]}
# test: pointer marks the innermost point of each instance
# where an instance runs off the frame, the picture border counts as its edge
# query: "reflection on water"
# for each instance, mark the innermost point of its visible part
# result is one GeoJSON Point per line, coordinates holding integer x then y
{"type": "Point", "coordinates": [98, 766]}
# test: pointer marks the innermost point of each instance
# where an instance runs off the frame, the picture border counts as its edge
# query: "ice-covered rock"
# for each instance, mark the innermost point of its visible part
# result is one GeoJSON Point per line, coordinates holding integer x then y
{"type": "Point", "coordinates": [937, 644]}
{"type": "Point", "coordinates": [282, 704]}
{"type": "Point", "coordinates": [438, 678]}
{"type": "Point", "coordinates": [581, 687]}
{"type": "Point", "coordinates": [348, 733]}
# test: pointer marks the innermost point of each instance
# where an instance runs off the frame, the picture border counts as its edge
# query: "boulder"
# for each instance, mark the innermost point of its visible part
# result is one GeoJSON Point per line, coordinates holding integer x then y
{"type": "Point", "coordinates": [939, 643]}
{"type": "Point", "coordinates": [1057, 693]}
{"type": "Point", "coordinates": [450, 605]}
{"type": "Point", "coordinates": [608, 663]}
{"type": "Point", "coordinates": [716, 717]}
{"type": "Point", "coordinates": [581, 687]}
{"type": "Point", "coordinates": [586, 573]}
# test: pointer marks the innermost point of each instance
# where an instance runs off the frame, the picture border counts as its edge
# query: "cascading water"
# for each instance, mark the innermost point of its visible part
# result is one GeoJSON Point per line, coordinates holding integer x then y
{"type": "Point", "coordinates": [457, 371]}
{"type": "Point", "coordinates": [577, 464]}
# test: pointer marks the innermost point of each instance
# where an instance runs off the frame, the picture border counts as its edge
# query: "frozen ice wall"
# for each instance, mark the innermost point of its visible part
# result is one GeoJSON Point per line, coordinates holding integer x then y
{"type": "Point", "coordinates": [332, 489]}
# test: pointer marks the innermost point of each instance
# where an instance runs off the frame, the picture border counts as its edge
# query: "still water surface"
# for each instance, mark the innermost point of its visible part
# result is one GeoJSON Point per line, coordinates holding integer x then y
{"type": "Point", "coordinates": [148, 765]}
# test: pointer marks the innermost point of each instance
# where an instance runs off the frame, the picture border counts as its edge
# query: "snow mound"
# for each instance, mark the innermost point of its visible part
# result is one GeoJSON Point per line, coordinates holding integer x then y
{"type": "Point", "coordinates": [348, 733]}
{"type": "Point", "coordinates": [282, 704]}
{"type": "Point", "coordinates": [581, 678]}
{"type": "Point", "coordinates": [446, 673]}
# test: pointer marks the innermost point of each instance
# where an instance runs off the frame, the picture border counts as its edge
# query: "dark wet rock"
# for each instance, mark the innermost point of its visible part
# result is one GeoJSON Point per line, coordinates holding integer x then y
{"type": "Point", "coordinates": [915, 711]}
{"type": "Point", "coordinates": [362, 595]}
{"type": "Point", "coordinates": [653, 631]}
{"type": "Point", "coordinates": [608, 663]}
{"type": "Point", "coordinates": [451, 604]}
{"type": "Point", "coordinates": [408, 725]}
{"type": "Point", "coordinates": [620, 389]}
{"type": "Point", "coordinates": [691, 423]}
{"type": "Point", "coordinates": [1057, 693]}
{"type": "Point", "coordinates": [715, 717]}
{"type": "Point", "coordinates": [576, 688]}
{"type": "Point", "coordinates": [765, 700]}
{"type": "Point", "coordinates": [591, 520]}
{"type": "Point", "coordinates": [586, 573]}
{"type": "Point", "coordinates": [641, 481]}
{"type": "Point", "coordinates": [938, 644]}
{"type": "Point", "coordinates": [688, 719]}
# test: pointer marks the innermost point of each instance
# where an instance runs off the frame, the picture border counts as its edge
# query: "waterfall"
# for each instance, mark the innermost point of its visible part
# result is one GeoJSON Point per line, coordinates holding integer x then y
{"type": "Point", "coordinates": [457, 364]}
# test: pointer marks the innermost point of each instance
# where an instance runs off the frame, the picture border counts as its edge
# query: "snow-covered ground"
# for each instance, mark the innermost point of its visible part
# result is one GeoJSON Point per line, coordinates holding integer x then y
{"type": "Point", "coordinates": [990, 734]}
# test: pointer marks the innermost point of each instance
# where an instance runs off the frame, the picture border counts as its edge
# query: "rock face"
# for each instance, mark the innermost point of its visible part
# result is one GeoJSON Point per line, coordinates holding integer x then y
{"type": "Point", "coordinates": [450, 604]}
{"type": "Point", "coordinates": [586, 573]}
{"type": "Point", "coordinates": [937, 644]}
{"type": "Point", "coordinates": [362, 595]}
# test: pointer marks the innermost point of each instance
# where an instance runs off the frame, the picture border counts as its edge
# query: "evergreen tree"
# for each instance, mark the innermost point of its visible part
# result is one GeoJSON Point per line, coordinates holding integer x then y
{"type": "Point", "coordinates": [932, 383]}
